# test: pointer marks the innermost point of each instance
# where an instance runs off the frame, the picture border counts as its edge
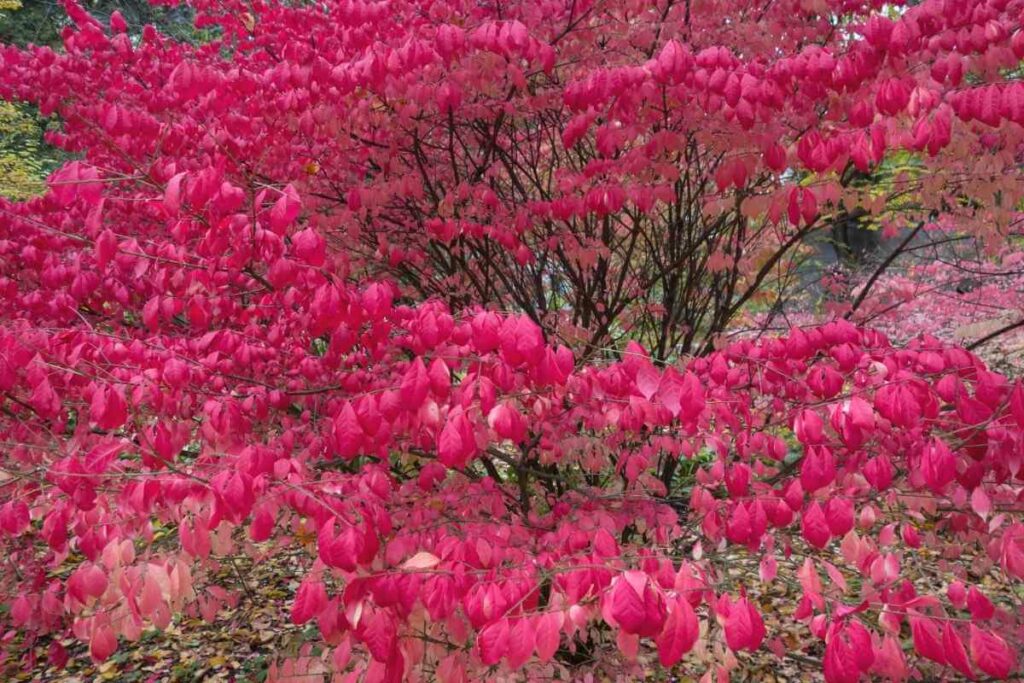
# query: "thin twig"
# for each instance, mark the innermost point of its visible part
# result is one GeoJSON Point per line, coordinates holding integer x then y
{"type": "Point", "coordinates": [992, 335]}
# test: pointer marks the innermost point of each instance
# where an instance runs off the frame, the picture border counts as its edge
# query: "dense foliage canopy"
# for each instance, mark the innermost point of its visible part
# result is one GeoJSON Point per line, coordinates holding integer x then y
{"type": "Point", "coordinates": [438, 296]}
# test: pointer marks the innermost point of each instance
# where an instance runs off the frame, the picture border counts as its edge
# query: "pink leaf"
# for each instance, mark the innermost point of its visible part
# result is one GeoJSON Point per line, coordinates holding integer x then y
{"type": "Point", "coordinates": [172, 194]}
{"type": "Point", "coordinates": [980, 502]}
{"type": "Point", "coordinates": [647, 380]}
{"type": "Point", "coordinates": [938, 465]}
{"type": "Point", "coordinates": [422, 560]}
{"type": "Point", "coordinates": [285, 209]}
{"type": "Point", "coordinates": [547, 634]}
{"type": "Point", "coordinates": [604, 544]}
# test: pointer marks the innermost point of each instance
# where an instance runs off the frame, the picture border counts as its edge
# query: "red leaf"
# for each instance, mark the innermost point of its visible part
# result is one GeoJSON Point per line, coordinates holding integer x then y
{"type": "Point", "coordinates": [348, 434]}
{"type": "Point", "coordinates": [1011, 552]}
{"type": "Point", "coordinates": [849, 652]}
{"type": "Point", "coordinates": [14, 517]}
{"type": "Point", "coordinates": [839, 515]}
{"type": "Point", "coordinates": [637, 606]}
{"type": "Point", "coordinates": [309, 246]}
{"type": "Point", "coordinates": [810, 583]}
{"type": "Point", "coordinates": [492, 642]}
{"type": "Point", "coordinates": [680, 633]}
{"type": "Point", "coordinates": [840, 665]}
{"type": "Point", "coordinates": [262, 525]}
{"type": "Point", "coordinates": [520, 643]}
{"type": "Point", "coordinates": [627, 606]}
{"type": "Point", "coordinates": [310, 599]}
{"type": "Point", "coordinates": [981, 607]}
{"type": "Point", "coordinates": [451, 450]}
{"type": "Point", "coordinates": [88, 581]}
{"type": "Point", "coordinates": [879, 471]}
{"type": "Point", "coordinates": [927, 640]}
{"type": "Point", "coordinates": [106, 247]}
{"type": "Point", "coordinates": [507, 422]}
{"type": "Point", "coordinates": [809, 429]}
{"type": "Point", "coordinates": [604, 544]}
{"type": "Point", "coordinates": [814, 526]}
{"type": "Point", "coordinates": [341, 551]}
{"type": "Point", "coordinates": [102, 643]}
{"type": "Point", "coordinates": [285, 210]}
{"type": "Point", "coordinates": [380, 636]}
{"type": "Point", "coordinates": [58, 655]}
{"type": "Point", "coordinates": [44, 399]}
{"type": "Point", "coordinates": [237, 494]}
{"type": "Point", "coordinates": [628, 644]}
{"type": "Point", "coordinates": [415, 385]}
{"type": "Point", "coordinates": [991, 653]}
{"type": "Point", "coordinates": [682, 395]}
{"type": "Point", "coordinates": [1017, 395]}
{"type": "Point", "coordinates": [818, 469]}
{"type": "Point", "coordinates": [108, 409]}
{"type": "Point", "coordinates": [956, 655]}
{"type": "Point", "coordinates": [744, 628]}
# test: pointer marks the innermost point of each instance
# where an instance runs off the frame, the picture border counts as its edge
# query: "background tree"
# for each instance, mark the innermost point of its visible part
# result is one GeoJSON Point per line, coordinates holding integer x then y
{"type": "Point", "coordinates": [40, 22]}
{"type": "Point", "coordinates": [25, 159]}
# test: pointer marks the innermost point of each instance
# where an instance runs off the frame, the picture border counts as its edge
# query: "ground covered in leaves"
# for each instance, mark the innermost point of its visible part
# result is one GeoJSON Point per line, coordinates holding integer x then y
{"type": "Point", "coordinates": [244, 640]}
{"type": "Point", "coordinates": [239, 645]}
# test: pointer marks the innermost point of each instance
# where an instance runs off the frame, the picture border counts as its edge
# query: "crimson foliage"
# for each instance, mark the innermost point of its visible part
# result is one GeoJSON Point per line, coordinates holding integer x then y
{"type": "Point", "coordinates": [339, 282]}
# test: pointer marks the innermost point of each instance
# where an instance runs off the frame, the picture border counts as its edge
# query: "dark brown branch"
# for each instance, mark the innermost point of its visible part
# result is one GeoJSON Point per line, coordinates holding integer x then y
{"type": "Point", "coordinates": [882, 267]}
{"type": "Point", "coordinates": [992, 335]}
